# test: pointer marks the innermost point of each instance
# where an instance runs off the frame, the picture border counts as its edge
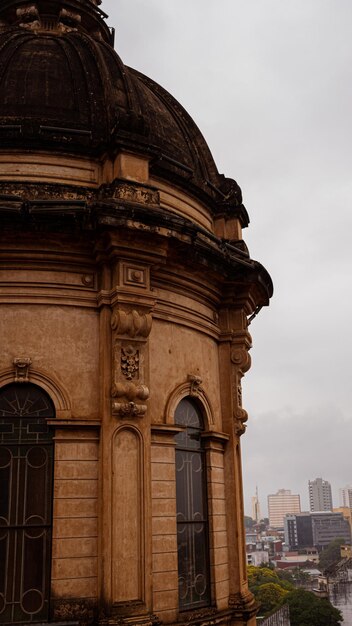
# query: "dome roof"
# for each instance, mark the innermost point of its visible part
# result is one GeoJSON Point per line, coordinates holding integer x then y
{"type": "Point", "coordinates": [63, 87]}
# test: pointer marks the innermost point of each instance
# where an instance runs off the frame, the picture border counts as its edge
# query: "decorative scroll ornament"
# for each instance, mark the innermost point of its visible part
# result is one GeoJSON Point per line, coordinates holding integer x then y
{"type": "Point", "coordinates": [22, 365]}
{"type": "Point", "coordinates": [128, 409]}
{"type": "Point", "coordinates": [240, 415]}
{"type": "Point", "coordinates": [131, 323]}
{"type": "Point", "coordinates": [195, 384]}
{"type": "Point", "coordinates": [241, 358]}
{"type": "Point", "coordinates": [130, 391]}
{"type": "Point", "coordinates": [130, 331]}
{"type": "Point", "coordinates": [130, 362]}
{"type": "Point", "coordinates": [241, 361]}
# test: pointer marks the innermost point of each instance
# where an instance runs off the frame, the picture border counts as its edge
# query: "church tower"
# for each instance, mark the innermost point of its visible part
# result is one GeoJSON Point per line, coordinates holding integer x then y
{"type": "Point", "coordinates": [126, 291]}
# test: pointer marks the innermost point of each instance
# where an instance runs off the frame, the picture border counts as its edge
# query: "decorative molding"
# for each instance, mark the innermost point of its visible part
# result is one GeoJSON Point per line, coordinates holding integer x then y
{"type": "Point", "coordinates": [241, 358]}
{"type": "Point", "coordinates": [131, 323]}
{"type": "Point", "coordinates": [130, 391]}
{"type": "Point", "coordinates": [130, 331]}
{"type": "Point", "coordinates": [130, 362]}
{"type": "Point", "coordinates": [22, 365]}
{"type": "Point", "coordinates": [122, 615]}
{"type": "Point", "coordinates": [128, 410]}
{"type": "Point", "coordinates": [243, 605]}
{"type": "Point", "coordinates": [49, 383]}
{"type": "Point", "coordinates": [195, 384]}
{"type": "Point", "coordinates": [215, 440]}
{"type": "Point", "coordinates": [240, 415]}
{"type": "Point", "coordinates": [135, 276]}
{"type": "Point", "coordinates": [134, 193]}
{"type": "Point", "coordinates": [241, 343]}
{"type": "Point", "coordinates": [192, 387]}
{"type": "Point", "coordinates": [88, 280]}
{"type": "Point", "coordinates": [79, 611]}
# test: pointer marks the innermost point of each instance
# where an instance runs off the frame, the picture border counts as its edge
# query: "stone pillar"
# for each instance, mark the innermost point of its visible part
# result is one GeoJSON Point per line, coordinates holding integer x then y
{"type": "Point", "coordinates": [125, 508]}
{"type": "Point", "coordinates": [235, 341]}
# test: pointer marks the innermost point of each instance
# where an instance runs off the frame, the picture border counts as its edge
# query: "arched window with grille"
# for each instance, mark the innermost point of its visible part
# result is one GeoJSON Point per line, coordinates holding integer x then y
{"type": "Point", "coordinates": [192, 510]}
{"type": "Point", "coordinates": [26, 480]}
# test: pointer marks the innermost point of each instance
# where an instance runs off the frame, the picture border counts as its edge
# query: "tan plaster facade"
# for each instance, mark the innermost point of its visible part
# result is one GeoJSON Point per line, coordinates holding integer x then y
{"type": "Point", "coordinates": [73, 315]}
{"type": "Point", "coordinates": [78, 309]}
{"type": "Point", "coordinates": [125, 288]}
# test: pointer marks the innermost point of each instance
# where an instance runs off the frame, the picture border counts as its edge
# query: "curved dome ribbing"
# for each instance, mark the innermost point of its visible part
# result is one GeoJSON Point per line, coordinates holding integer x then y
{"type": "Point", "coordinates": [64, 88]}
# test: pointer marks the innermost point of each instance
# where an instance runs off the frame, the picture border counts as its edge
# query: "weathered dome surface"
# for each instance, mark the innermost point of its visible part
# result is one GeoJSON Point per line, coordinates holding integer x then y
{"type": "Point", "coordinates": [63, 87]}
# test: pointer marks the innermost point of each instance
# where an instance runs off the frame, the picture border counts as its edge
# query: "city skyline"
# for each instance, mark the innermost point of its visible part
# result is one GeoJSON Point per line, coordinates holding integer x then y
{"type": "Point", "coordinates": [338, 500]}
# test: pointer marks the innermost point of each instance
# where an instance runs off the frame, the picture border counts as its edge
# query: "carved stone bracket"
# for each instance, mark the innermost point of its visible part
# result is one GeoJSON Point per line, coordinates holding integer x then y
{"type": "Point", "coordinates": [22, 365]}
{"type": "Point", "coordinates": [241, 362]}
{"type": "Point", "coordinates": [130, 391]}
{"type": "Point", "coordinates": [240, 415]}
{"type": "Point", "coordinates": [130, 330]}
{"type": "Point", "coordinates": [195, 384]}
{"type": "Point", "coordinates": [128, 409]}
{"type": "Point", "coordinates": [131, 323]}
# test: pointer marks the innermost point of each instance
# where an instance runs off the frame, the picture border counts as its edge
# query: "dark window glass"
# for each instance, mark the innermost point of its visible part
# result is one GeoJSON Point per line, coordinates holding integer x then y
{"type": "Point", "coordinates": [192, 520]}
{"type": "Point", "coordinates": [26, 473]}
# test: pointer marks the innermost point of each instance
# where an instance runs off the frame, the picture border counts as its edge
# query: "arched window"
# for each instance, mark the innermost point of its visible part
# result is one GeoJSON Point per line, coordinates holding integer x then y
{"type": "Point", "coordinates": [26, 476]}
{"type": "Point", "coordinates": [192, 514]}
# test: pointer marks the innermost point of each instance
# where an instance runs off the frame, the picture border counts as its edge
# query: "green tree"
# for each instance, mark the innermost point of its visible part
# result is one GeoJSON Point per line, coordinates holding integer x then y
{"type": "Point", "coordinates": [331, 554]}
{"type": "Point", "coordinates": [308, 610]}
{"type": "Point", "coordinates": [248, 522]}
{"type": "Point", "coordinates": [258, 576]}
{"type": "Point", "coordinates": [269, 595]}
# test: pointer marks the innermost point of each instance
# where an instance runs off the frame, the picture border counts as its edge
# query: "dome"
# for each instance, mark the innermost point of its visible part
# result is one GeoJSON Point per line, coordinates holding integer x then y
{"type": "Point", "coordinates": [64, 88]}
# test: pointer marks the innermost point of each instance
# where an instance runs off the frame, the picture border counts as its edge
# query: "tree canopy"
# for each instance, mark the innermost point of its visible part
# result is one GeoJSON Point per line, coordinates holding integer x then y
{"type": "Point", "coordinates": [269, 595]}
{"type": "Point", "coordinates": [331, 554]}
{"type": "Point", "coordinates": [248, 522]}
{"type": "Point", "coordinates": [273, 588]}
{"type": "Point", "coordinates": [306, 609]}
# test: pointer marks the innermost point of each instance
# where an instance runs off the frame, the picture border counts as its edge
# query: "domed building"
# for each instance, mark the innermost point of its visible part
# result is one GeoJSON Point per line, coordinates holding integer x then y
{"type": "Point", "coordinates": [126, 291]}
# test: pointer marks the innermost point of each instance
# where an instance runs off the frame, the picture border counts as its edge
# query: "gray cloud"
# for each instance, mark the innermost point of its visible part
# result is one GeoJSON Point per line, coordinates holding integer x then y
{"type": "Point", "coordinates": [269, 82]}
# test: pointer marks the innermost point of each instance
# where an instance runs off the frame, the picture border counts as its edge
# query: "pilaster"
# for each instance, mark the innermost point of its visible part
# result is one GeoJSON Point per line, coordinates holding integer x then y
{"type": "Point", "coordinates": [127, 304]}
{"type": "Point", "coordinates": [234, 358]}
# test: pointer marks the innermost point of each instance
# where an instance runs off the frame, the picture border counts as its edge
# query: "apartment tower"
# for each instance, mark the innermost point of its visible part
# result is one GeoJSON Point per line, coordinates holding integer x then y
{"type": "Point", "coordinates": [280, 504]}
{"type": "Point", "coordinates": [320, 496]}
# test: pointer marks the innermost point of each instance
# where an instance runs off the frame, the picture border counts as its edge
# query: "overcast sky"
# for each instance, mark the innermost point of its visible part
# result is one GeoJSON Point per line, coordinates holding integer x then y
{"type": "Point", "coordinates": [269, 83]}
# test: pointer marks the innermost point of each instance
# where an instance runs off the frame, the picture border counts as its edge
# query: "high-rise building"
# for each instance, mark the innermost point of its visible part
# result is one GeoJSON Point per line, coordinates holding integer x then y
{"type": "Point", "coordinates": [256, 514]}
{"type": "Point", "coordinates": [315, 529]}
{"type": "Point", "coordinates": [280, 504]}
{"type": "Point", "coordinates": [346, 496]}
{"type": "Point", "coordinates": [320, 496]}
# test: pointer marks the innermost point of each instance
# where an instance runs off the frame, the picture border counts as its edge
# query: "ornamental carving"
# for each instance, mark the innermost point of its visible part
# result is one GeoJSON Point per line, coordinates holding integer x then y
{"type": "Point", "coordinates": [130, 362]}
{"type": "Point", "coordinates": [241, 358]}
{"type": "Point", "coordinates": [240, 417]}
{"type": "Point", "coordinates": [128, 410]}
{"type": "Point", "coordinates": [130, 391]}
{"type": "Point", "coordinates": [132, 193]}
{"type": "Point", "coordinates": [241, 361]}
{"type": "Point", "coordinates": [195, 384]}
{"type": "Point", "coordinates": [83, 611]}
{"type": "Point", "coordinates": [130, 330]}
{"type": "Point", "coordinates": [22, 365]}
{"type": "Point", "coordinates": [131, 323]}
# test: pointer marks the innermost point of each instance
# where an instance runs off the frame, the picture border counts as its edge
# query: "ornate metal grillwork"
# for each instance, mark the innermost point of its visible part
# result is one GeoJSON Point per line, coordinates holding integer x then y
{"type": "Point", "coordinates": [26, 464]}
{"type": "Point", "coordinates": [192, 519]}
